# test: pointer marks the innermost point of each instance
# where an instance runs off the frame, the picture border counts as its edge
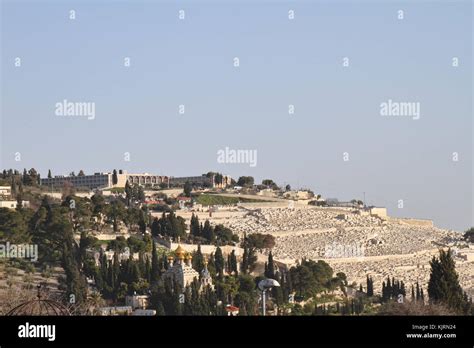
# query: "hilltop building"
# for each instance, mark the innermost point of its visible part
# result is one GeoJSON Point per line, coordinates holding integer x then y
{"type": "Point", "coordinates": [202, 181]}
{"type": "Point", "coordinates": [105, 180]}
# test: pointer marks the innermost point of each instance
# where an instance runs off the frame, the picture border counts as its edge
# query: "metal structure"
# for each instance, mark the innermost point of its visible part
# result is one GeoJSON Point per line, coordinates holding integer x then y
{"type": "Point", "coordinates": [39, 306]}
{"type": "Point", "coordinates": [264, 285]}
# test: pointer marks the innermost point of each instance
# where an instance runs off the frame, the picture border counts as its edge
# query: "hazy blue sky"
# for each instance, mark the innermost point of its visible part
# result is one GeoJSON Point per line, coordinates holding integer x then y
{"type": "Point", "coordinates": [282, 62]}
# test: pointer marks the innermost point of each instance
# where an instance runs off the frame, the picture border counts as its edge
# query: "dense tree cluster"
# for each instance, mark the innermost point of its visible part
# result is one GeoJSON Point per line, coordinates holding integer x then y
{"type": "Point", "coordinates": [469, 235]}
{"type": "Point", "coordinates": [207, 234]}
{"type": "Point", "coordinates": [392, 289]}
{"type": "Point", "coordinates": [270, 184]}
{"type": "Point", "coordinates": [311, 277]}
{"type": "Point", "coordinates": [443, 286]}
{"type": "Point", "coordinates": [169, 225]}
{"type": "Point", "coordinates": [245, 181]}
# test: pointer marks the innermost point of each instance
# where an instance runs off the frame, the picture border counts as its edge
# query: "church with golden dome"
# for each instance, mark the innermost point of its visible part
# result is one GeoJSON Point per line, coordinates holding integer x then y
{"type": "Point", "coordinates": [181, 271]}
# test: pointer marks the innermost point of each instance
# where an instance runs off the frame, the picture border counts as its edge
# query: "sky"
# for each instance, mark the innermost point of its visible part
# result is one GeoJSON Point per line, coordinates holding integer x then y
{"type": "Point", "coordinates": [336, 142]}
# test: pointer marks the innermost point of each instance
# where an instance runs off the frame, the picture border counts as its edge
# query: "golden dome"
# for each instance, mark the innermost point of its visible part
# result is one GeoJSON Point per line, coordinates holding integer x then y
{"type": "Point", "coordinates": [189, 257]}
{"type": "Point", "coordinates": [170, 258]}
{"type": "Point", "coordinates": [180, 252]}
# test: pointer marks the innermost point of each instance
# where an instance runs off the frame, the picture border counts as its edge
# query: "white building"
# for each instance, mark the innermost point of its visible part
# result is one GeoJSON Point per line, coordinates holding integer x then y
{"type": "Point", "coordinates": [5, 191]}
{"type": "Point", "coordinates": [137, 301]}
{"type": "Point", "coordinates": [105, 180]}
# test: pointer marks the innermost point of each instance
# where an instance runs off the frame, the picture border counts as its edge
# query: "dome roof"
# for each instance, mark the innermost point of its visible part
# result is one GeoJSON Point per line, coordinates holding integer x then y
{"type": "Point", "coordinates": [180, 252]}
{"type": "Point", "coordinates": [39, 306]}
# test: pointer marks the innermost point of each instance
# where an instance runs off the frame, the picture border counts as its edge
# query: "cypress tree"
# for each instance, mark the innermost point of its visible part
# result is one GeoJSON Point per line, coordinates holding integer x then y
{"type": "Point", "coordinates": [114, 177]}
{"type": "Point", "coordinates": [443, 286]}
{"type": "Point", "coordinates": [208, 232]}
{"type": "Point", "coordinates": [370, 286]}
{"type": "Point", "coordinates": [219, 259]}
{"type": "Point", "coordinates": [194, 228]}
{"type": "Point", "coordinates": [155, 266]}
{"type": "Point", "coordinates": [245, 260]}
{"type": "Point", "coordinates": [270, 273]}
{"type": "Point", "coordinates": [198, 260]}
{"type": "Point", "coordinates": [233, 263]}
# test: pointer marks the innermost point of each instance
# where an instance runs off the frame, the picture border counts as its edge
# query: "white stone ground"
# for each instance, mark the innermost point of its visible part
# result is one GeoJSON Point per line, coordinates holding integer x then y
{"type": "Point", "coordinates": [354, 244]}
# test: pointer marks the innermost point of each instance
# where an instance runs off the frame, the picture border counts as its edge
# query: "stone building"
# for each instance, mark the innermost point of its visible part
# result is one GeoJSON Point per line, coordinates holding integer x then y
{"type": "Point", "coordinates": [182, 272]}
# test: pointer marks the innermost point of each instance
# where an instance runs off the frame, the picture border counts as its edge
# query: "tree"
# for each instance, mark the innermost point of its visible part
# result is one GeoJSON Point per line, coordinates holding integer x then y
{"type": "Point", "coordinates": [98, 208]}
{"type": "Point", "coordinates": [469, 235]}
{"type": "Point", "coordinates": [233, 263]}
{"type": "Point", "coordinates": [443, 286]}
{"type": "Point", "coordinates": [187, 189]}
{"type": "Point", "coordinates": [245, 181]}
{"type": "Point", "coordinates": [219, 262]}
{"type": "Point", "coordinates": [224, 235]}
{"type": "Point", "coordinates": [116, 212]}
{"type": "Point", "coordinates": [13, 227]}
{"type": "Point", "coordinates": [155, 266]}
{"type": "Point", "coordinates": [270, 272]}
{"type": "Point", "coordinates": [81, 173]}
{"type": "Point", "coordinates": [261, 241]}
{"type": "Point", "coordinates": [270, 184]}
{"type": "Point", "coordinates": [198, 260]}
{"type": "Point", "coordinates": [114, 177]}
{"type": "Point", "coordinates": [155, 227]}
{"type": "Point", "coordinates": [310, 278]}
{"type": "Point", "coordinates": [249, 258]}
{"type": "Point", "coordinates": [418, 292]}
{"type": "Point", "coordinates": [49, 174]}
{"type": "Point", "coordinates": [194, 228]}
{"type": "Point", "coordinates": [19, 197]}
{"type": "Point", "coordinates": [370, 286]}
{"type": "Point", "coordinates": [13, 187]}
{"type": "Point", "coordinates": [128, 193]}
{"type": "Point", "coordinates": [208, 232]}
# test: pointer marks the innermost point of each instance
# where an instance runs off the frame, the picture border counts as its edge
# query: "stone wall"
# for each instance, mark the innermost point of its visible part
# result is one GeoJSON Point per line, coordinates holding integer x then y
{"type": "Point", "coordinates": [413, 222]}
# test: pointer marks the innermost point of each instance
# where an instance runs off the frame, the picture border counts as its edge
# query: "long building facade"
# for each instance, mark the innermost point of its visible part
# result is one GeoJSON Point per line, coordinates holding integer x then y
{"type": "Point", "coordinates": [105, 180]}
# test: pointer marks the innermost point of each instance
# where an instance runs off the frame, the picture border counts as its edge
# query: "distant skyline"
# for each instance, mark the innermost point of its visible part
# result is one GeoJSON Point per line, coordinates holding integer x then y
{"type": "Point", "coordinates": [337, 142]}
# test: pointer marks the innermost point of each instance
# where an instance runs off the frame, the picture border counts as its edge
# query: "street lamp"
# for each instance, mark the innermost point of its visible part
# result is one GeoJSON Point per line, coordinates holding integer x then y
{"type": "Point", "coordinates": [264, 285]}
